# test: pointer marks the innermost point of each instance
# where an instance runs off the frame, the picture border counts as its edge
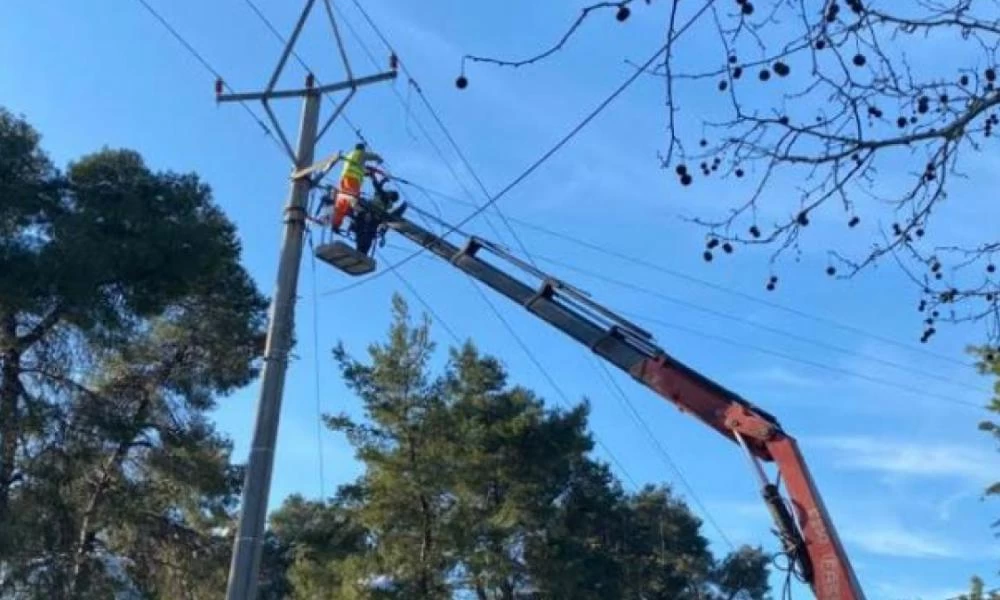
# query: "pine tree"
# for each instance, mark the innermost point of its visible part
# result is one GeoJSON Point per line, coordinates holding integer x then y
{"type": "Point", "coordinates": [407, 482]}
{"type": "Point", "coordinates": [124, 312]}
{"type": "Point", "coordinates": [513, 458]}
{"type": "Point", "coordinates": [473, 486]}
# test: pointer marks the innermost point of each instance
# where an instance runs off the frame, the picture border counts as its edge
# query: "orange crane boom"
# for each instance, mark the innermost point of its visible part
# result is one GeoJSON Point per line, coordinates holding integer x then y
{"type": "Point", "coordinates": [809, 538]}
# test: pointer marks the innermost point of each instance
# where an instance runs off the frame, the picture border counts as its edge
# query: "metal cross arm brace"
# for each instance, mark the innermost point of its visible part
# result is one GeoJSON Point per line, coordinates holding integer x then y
{"type": "Point", "coordinates": [809, 537]}
{"type": "Point", "coordinates": [298, 93]}
{"type": "Point", "coordinates": [310, 88]}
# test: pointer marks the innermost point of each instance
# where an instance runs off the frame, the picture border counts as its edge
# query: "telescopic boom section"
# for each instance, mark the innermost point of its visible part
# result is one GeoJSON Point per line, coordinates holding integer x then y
{"type": "Point", "coordinates": [809, 539]}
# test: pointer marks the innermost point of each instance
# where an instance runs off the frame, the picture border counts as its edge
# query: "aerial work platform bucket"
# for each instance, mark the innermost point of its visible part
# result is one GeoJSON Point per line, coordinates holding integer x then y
{"type": "Point", "coordinates": [345, 258]}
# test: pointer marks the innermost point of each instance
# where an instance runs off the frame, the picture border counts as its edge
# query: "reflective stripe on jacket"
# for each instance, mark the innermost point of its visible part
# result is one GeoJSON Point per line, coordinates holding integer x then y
{"type": "Point", "coordinates": [354, 165]}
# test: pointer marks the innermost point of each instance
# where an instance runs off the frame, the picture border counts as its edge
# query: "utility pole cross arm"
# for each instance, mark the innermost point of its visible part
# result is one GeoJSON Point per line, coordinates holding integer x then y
{"type": "Point", "coordinates": [301, 92]}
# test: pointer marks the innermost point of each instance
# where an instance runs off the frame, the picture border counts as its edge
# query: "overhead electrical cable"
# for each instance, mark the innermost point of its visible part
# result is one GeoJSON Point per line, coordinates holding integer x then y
{"type": "Point", "coordinates": [440, 123]}
{"type": "Point", "coordinates": [700, 281]}
{"type": "Point", "coordinates": [761, 326]}
{"type": "Point", "coordinates": [413, 84]}
{"type": "Point", "coordinates": [549, 153]}
{"type": "Point", "coordinates": [208, 67]}
{"type": "Point", "coordinates": [788, 357]}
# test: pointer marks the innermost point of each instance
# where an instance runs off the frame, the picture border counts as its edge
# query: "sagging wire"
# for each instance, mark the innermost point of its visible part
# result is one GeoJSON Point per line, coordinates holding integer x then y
{"type": "Point", "coordinates": [703, 282]}
{"type": "Point", "coordinates": [411, 86]}
{"type": "Point", "coordinates": [545, 156]}
{"type": "Point", "coordinates": [316, 362]}
{"type": "Point", "coordinates": [208, 67]}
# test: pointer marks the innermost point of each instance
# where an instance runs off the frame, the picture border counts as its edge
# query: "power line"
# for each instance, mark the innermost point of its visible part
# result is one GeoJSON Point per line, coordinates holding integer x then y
{"type": "Point", "coordinates": [761, 326]}
{"type": "Point", "coordinates": [429, 308]}
{"type": "Point", "coordinates": [316, 383]}
{"type": "Point", "coordinates": [440, 123]}
{"type": "Point", "coordinates": [791, 358]}
{"type": "Point", "coordinates": [626, 402]}
{"type": "Point", "coordinates": [818, 365]}
{"type": "Point", "coordinates": [413, 84]}
{"type": "Point", "coordinates": [454, 144]}
{"type": "Point", "coordinates": [548, 377]}
{"type": "Point", "coordinates": [534, 359]}
{"type": "Point", "coordinates": [742, 320]}
{"type": "Point", "coordinates": [357, 131]}
{"type": "Point", "coordinates": [208, 67]}
{"type": "Point", "coordinates": [548, 154]}
{"type": "Point", "coordinates": [302, 63]}
{"type": "Point", "coordinates": [701, 282]}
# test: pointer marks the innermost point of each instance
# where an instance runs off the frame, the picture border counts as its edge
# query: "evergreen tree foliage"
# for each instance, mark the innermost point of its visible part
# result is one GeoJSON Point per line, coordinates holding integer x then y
{"type": "Point", "coordinates": [124, 313]}
{"type": "Point", "coordinates": [473, 487]}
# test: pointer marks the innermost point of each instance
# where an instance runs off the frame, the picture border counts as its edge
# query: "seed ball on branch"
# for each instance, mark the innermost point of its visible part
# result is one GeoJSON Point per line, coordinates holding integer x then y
{"type": "Point", "coordinates": [859, 60]}
{"type": "Point", "coordinates": [461, 83]}
{"type": "Point", "coordinates": [781, 69]}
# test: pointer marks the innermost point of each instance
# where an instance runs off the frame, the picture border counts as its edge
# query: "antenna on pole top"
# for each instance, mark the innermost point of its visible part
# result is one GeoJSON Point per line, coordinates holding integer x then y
{"type": "Point", "coordinates": [245, 563]}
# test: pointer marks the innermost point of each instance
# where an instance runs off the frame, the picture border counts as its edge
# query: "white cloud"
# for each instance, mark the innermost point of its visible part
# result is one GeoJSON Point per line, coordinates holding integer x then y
{"type": "Point", "coordinates": [782, 376]}
{"type": "Point", "coordinates": [901, 458]}
{"type": "Point", "coordinates": [913, 591]}
{"type": "Point", "coordinates": [946, 507]}
{"type": "Point", "coordinates": [898, 542]}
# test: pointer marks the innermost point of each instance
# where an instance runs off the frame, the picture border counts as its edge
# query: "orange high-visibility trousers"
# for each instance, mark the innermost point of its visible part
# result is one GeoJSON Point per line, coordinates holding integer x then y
{"type": "Point", "coordinates": [347, 198]}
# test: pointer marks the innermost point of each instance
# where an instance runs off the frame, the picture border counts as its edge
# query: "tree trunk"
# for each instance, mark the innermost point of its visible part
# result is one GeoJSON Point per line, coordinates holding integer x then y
{"type": "Point", "coordinates": [85, 538]}
{"type": "Point", "coordinates": [426, 543]}
{"type": "Point", "coordinates": [507, 590]}
{"type": "Point", "coordinates": [480, 590]}
{"type": "Point", "coordinates": [10, 391]}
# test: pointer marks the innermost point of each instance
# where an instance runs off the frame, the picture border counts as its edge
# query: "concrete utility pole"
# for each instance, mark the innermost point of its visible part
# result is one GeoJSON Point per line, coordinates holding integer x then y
{"type": "Point", "coordinates": [245, 564]}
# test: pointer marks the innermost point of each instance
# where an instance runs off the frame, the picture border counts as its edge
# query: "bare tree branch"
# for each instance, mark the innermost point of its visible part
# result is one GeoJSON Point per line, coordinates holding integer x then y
{"type": "Point", "coordinates": [823, 96]}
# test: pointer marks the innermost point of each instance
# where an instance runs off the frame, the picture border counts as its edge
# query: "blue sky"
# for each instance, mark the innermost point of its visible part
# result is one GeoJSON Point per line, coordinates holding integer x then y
{"type": "Point", "coordinates": [901, 472]}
